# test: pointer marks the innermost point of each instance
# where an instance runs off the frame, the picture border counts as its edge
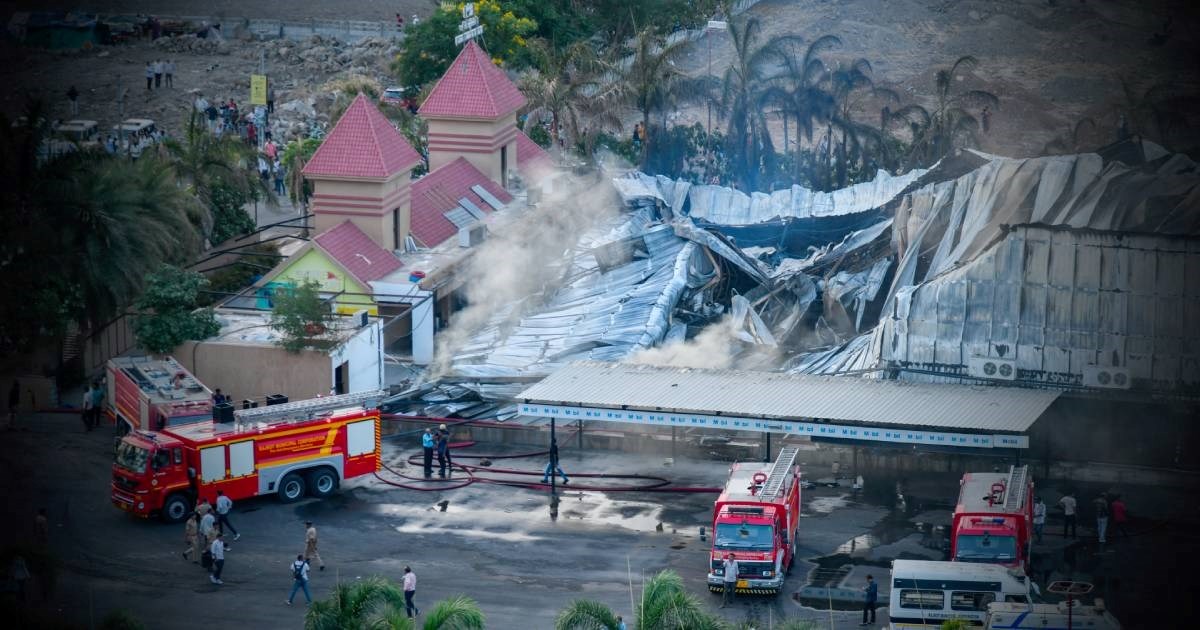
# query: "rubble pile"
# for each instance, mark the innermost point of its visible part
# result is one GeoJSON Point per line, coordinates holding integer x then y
{"type": "Point", "coordinates": [191, 44]}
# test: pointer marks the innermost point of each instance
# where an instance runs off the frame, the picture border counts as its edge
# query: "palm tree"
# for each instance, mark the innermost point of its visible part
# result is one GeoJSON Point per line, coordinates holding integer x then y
{"type": "Point", "coordinates": [743, 93]}
{"type": "Point", "coordinates": [650, 80]}
{"type": "Point", "coordinates": [116, 221]}
{"type": "Point", "coordinates": [1160, 111]}
{"type": "Point", "coordinates": [950, 124]}
{"type": "Point", "coordinates": [799, 90]}
{"type": "Point", "coordinates": [377, 603]}
{"type": "Point", "coordinates": [664, 605]}
{"type": "Point", "coordinates": [850, 86]}
{"type": "Point", "coordinates": [1070, 141]}
{"type": "Point", "coordinates": [204, 162]}
{"type": "Point", "coordinates": [561, 87]}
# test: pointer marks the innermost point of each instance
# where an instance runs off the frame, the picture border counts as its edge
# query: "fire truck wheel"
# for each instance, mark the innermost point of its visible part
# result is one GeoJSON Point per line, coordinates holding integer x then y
{"type": "Point", "coordinates": [291, 489]}
{"type": "Point", "coordinates": [322, 482]}
{"type": "Point", "coordinates": [176, 508]}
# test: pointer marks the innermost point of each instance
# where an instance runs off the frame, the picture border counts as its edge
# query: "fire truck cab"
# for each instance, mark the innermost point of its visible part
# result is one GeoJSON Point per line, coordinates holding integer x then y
{"type": "Point", "coordinates": [993, 519]}
{"type": "Point", "coordinates": [756, 519]}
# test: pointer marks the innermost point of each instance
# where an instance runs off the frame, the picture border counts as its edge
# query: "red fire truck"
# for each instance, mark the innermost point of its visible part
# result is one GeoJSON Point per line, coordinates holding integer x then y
{"type": "Point", "coordinates": [289, 449]}
{"type": "Point", "coordinates": [149, 394]}
{"type": "Point", "coordinates": [755, 519]}
{"type": "Point", "coordinates": [994, 518]}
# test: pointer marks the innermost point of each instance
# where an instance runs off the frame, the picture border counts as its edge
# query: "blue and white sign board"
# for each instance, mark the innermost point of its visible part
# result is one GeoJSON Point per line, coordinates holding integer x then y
{"type": "Point", "coordinates": [812, 429]}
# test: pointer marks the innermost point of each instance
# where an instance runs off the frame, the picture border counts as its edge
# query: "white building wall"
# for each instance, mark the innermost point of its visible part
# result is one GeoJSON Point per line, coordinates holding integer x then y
{"type": "Point", "coordinates": [364, 353]}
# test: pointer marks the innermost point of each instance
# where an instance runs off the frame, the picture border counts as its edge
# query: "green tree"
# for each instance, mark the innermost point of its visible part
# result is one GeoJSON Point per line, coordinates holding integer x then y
{"type": "Point", "coordinates": [798, 91]}
{"type": "Point", "coordinates": [169, 313]}
{"type": "Point", "coordinates": [561, 87]}
{"type": "Point", "coordinates": [378, 603]}
{"type": "Point", "coordinates": [121, 620]}
{"type": "Point", "coordinates": [650, 79]}
{"type": "Point", "coordinates": [301, 316]}
{"type": "Point", "coordinates": [428, 48]}
{"type": "Point", "coordinates": [664, 605]}
{"type": "Point", "coordinates": [296, 154]}
{"type": "Point", "coordinates": [229, 216]}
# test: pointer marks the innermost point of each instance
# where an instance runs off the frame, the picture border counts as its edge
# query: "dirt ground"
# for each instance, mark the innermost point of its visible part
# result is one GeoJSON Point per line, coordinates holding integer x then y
{"type": "Point", "coordinates": [327, 9]}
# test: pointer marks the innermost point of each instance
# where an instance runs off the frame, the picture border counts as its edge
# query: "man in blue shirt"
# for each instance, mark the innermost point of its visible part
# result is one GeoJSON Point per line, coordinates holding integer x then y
{"type": "Point", "coordinates": [427, 446]}
{"type": "Point", "coordinates": [872, 591]}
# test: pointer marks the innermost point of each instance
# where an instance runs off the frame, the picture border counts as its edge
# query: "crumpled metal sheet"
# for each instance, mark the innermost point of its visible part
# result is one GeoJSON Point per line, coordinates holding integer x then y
{"type": "Point", "coordinates": [597, 315]}
{"type": "Point", "coordinates": [719, 246]}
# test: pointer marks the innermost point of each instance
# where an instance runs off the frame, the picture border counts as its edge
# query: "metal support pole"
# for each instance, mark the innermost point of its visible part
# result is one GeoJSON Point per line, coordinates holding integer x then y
{"type": "Point", "coordinates": [579, 433]}
{"type": "Point", "coordinates": [767, 456]}
{"type": "Point", "coordinates": [553, 460]}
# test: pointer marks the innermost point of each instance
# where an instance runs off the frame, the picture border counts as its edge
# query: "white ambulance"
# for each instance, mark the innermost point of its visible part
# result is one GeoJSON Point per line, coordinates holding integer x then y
{"type": "Point", "coordinates": [925, 593]}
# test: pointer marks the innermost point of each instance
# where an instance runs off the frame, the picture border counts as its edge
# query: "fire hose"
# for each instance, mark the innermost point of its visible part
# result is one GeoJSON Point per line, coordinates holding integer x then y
{"type": "Point", "coordinates": [483, 474]}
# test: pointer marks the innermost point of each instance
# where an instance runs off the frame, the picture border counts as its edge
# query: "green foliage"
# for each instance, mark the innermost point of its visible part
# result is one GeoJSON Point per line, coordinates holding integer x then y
{"type": "Point", "coordinates": [540, 135]}
{"type": "Point", "coordinates": [295, 155]}
{"type": "Point", "coordinates": [243, 272]}
{"type": "Point", "coordinates": [168, 311]}
{"type": "Point", "coordinates": [376, 603]}
{"type": "Point", "coordinates": [956, 624]}
{"type": "Point", "coordinates": [121, 619]}
{"type": "Point", "coordinates": [229, 216]}
{"type": "Point", "coordinates": [664, 605]}
{"type": "Point", "coordinates": [301, 316]}
{"type": "Point", "coordinates": [428, 47]}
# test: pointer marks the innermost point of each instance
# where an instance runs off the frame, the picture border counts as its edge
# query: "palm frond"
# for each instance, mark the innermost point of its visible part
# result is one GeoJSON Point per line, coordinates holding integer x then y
{"type": "Point", "coordinates": [586, 614]}
{"type": "Point", "coordinates": [456, 613]}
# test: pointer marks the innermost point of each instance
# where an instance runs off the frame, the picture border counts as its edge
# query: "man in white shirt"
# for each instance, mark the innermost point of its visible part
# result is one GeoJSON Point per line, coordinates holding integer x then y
{"type": "Point", "coordinates": [224, 505]}
{"type": "Point", "coordinates": [1068, 506]}
{"type": "Point", "coordinates": [218, 558]}
{"type": "Point", "coordinates": [410, 590]}
{"type": "Point", "coordinates": [299, 579]}
{"type": "Point", "coordinates": [86, 407]}
{"type": "Point", "coordinates": [730, 569]}
{"type": "Point", "coordinates": [208, 526]}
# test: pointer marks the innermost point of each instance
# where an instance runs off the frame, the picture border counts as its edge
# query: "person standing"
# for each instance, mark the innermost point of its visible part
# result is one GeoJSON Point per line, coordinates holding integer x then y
{"type": "Point", "coordinates": [158, 72]}
{"type": "Point", "coordinates": [169, 72]}
{"type": "Point", "coordinates": [443, 450]}
{"type": "Point", "coordinates": [97, 403]}
{"type": "Point", "coordinates": [1068, 506]}
{"type": "Point", "coordinates": [149, 75]}
{"type": "Point", "coordinates": [271, 150]}
{"type": "Point", "coordinates": [621, 623]}
{"type": "Point", "coordinates": [277, 170]}
{"type": "Point", "coordinates": [191, 538]}
{"type": "Point", "coordinates": [427, 447]}
{"type": "Point", "coordinates": [270, 98]}
{"type": "Point", "coordinates": [1039, 518]}
{"type": "Point", "coordinates": [410, 591]}
{"type": "Point", "coordinates": [1120, 516]}
{"type": "Point", "coordinates": [224, 505]}
{"type": "Point", "coordinates": [552, 466]}
{"type": "Point", "coordinates": [218, 558]}
{"type": "Point", "coordinates": [86, 409]}
{"type": "Point", "coordinates": [729, 571]}
{"type": "Point", "coordinates": [208, 527]}
{"type": "Point", "coordinates": [14, 401]}
{"type": "Point", "coordinates": [73, 97]}
{"type": "Point", "coordinates": [264, 169]}
{"type": "Point", "coordinates": [299, 579]}
{"type": "Point", "coordinates": [872, 591]}
{"type": "Point", "coordinates": [310, 545]}
{"type": "Point", "coordinates": [1100, 504]}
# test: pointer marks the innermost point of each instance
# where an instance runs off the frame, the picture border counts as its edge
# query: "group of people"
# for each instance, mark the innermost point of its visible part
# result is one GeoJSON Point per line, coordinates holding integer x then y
{"type": "Point", "coordinates": [438, 441]}
{"type": "Point", "coordinates": [225, 116]}
{"type": "Point", "coordinates": [92, 405]}
{"type": "Point", "coordinates": [1106, 506]}
{"type": "Point", "coordinates": [270, 168]}
{"type": "Point", "coordinates": [160, 73]}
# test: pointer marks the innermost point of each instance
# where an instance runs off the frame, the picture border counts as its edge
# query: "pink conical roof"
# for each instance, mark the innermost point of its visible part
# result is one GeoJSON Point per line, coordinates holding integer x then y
{"type": "Point", "coordinates": [363, 143]}
{"type": "Point", "coordinates": [473, 87]}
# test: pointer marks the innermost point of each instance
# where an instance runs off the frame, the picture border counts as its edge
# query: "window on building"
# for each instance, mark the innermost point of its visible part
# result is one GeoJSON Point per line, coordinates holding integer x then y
{"type": "Point", "coordinates": [971, 600]}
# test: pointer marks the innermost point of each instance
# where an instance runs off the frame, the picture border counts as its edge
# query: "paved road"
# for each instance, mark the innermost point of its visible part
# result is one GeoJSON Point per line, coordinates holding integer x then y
{"type": "Point", "coordinates": [498, 545]}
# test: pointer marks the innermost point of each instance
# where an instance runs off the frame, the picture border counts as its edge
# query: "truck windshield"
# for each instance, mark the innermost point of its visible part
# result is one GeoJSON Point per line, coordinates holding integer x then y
{"type": "Point", "coordinates": [132, 457]}
{"type": "Point", "coordinates": [735, 536]}
{"type": "Point", "coordinates": [985, 548]}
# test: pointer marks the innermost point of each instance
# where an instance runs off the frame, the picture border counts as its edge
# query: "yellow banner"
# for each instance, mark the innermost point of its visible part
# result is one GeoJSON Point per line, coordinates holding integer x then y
{"type": "Point", "coordinates": [258, 89]}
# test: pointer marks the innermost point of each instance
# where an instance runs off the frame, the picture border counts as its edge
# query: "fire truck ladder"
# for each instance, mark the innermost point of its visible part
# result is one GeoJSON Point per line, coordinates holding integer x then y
{"type": "Point", "coordinates": [780, 471]}
{"type": "Point", "coordinates": [1014, 495]}
{"type": "Point", "coordinates": [306, 409]}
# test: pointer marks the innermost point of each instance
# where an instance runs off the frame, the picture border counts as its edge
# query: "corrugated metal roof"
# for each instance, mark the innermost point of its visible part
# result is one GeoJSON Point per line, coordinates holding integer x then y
{"type": "Point", "coordinates": [791, 396]}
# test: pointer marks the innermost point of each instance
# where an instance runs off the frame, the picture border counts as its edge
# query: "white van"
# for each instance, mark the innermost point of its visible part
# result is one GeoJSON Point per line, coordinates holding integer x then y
{"type": "Point", "coordinates": [925, 593]}
{"type": "Point", "coordinates": [1042, 616]}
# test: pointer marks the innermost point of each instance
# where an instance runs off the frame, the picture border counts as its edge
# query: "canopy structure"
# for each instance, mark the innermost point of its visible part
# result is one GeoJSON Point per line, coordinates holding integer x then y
{"type": "Point", "coordinates": [817, 406]}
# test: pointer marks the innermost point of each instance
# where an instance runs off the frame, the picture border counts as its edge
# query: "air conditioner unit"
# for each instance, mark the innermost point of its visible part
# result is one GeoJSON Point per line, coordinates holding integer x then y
{"type": "Point", "coordinates": [987, 367]}
{"type": "Point", "coordinates": [472, 235]}
{"type": "Point", "coordinates": [1106, 377]}
{"type": "Point", "coordinates": [361, 318]}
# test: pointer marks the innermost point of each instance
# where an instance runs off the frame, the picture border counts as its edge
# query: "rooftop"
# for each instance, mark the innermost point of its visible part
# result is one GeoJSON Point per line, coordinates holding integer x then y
{"type": "Point", "coordinates": [438, 207]}
{"type": "Point", "coordinates": [473, 87]}
{"type": "Point", "coordinates": [773, 395]}
{"type": "Point", "coordinates": [530, 156]}
{"type": "Point", "coordinates": [355, 252]}
{"type": "Point", "coordinates": [155, 378]}
{"type": "Point", "coordinates": [253, 328]}
{"type": "Point", "coordinates": [363, 144]}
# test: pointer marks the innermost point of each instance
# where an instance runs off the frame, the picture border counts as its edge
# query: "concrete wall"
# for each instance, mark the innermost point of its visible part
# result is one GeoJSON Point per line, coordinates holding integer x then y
{"type": "Point", "coordinates": [315, 265]}
{"type": "Point", "coordinates": [478, 141]}
{"type": "Point", "coordinates": [253, 371]}
{"type": "Point", "coordinates": [373, 205]}
{"type": "Point", "coordinates": [364, 353]}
